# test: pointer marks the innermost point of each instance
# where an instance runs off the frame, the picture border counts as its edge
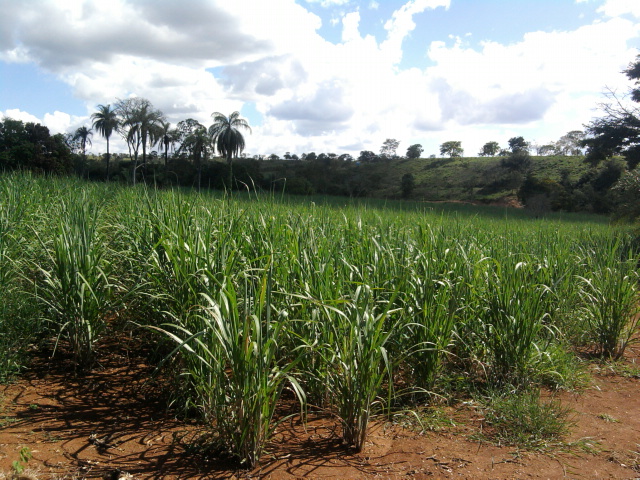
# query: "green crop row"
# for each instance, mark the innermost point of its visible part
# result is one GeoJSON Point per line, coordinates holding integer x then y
{"type": "Point", "coordinates": [356, 308]}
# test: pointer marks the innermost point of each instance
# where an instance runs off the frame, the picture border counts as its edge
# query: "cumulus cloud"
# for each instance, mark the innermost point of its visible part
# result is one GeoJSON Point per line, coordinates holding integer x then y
{"type": "Point", "coordinates": [263, 77]}
{"type": "Point", "coordinates": [314, 94]}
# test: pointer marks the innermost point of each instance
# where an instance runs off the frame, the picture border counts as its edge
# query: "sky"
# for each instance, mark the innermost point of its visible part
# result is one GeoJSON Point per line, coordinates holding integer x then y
{"type": "Point", "coordinates": [332, 76]}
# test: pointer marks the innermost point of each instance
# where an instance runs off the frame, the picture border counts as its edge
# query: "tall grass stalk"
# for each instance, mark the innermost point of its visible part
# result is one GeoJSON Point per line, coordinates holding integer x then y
{"type": "Point", "coordinates": [77, 289]}
{"type": "Point", "coordinates": [358, 361]}
{"type": "Point", "coordinates": [610, 301]}
{"type": "Point", "coordinates": [235, 365]}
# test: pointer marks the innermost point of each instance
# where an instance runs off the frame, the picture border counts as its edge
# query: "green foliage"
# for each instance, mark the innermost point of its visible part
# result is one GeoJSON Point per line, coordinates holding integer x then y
{"type": "Point", "coordinates": [407, 185]}
{"type": "Point", "coordinates": [18, 466]}
{"type": "Point", "coordinates": [414, 151]}
{"type": "Point", "coordinates": [522, 420]}
{"type": "Point", "coordinates": [610, 298]}
{"type": "Point", "coordinates": [30, 146]}
{"type": "Point", "coordinates": [452, 148]}
{"type": "Point", "coordinates": [77, 288]}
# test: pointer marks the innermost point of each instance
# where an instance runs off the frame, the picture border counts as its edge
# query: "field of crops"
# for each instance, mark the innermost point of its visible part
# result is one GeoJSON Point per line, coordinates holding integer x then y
{"type": "Point", "coordinates": [354, 308]}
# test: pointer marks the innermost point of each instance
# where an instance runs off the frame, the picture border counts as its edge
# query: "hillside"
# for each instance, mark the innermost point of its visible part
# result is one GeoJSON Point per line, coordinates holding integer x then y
{"type": "Point", "coordinates": [436, 179]}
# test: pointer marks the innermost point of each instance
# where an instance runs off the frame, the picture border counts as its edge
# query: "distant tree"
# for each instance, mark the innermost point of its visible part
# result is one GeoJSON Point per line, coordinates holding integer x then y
{"type": "Point", "coordinates": [345, 157]}
{"type": "Point", "coordinates": [83, 136]}
{"type": "Point", "coordinates": [168, 137]}
{"type": "Point", "coordinates": [140, 126]}
{"type": "Point", "coordinates": [30, 146]}
{"type": "Point", "coordinates": [199, 143]}
{"type": "Point", "coordinates": [571, 143]}
{"type": "Point", "coordinates": [274, 157]}
{"type": "Point", "coordinates": [311, 156]}
{"type": "Point", "coordinates": [618, 132]}
{"type": "Point", "coordinates": [489, 149]}
{"type": "Point", "coordinates": [225, 133]}
{"type": "Point", "coordinates": [389, 147]}
{"type": "Point", "coordinates": [518, 144]}
{"type": "Point", "coordinates": [407, 184]}
{"type": "Point", "coordinates": [548, 149]}
{"type": "Point", "coordinates": [105, 121]}
{"type": "Point", "coordinates": [287, 156]}
{"type": "Point", "coordinates": [414, 151]}
{"type": "Point", "coordinates": [367, 156]}
{"type": "Point", "coordinates": [452, 149]}
{"type": "Point", "coordinates": [295, 157]}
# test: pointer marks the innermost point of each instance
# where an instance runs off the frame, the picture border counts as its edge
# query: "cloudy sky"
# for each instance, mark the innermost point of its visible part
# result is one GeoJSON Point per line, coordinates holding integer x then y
{"type": "Point", "coordinates": [334, 76]}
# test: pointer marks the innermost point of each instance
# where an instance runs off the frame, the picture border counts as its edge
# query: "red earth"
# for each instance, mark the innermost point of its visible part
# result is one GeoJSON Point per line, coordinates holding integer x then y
{"type": "Point", "coordinates": [113, 423]}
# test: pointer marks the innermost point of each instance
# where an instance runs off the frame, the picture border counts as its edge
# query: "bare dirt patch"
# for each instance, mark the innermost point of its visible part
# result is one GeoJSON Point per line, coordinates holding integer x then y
{"type": "Point", "coordinates": [113, 421]}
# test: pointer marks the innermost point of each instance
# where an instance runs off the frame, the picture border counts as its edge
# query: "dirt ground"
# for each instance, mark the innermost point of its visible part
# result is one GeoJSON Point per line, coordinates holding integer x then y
{"type": "Point", "coordinates": [112, 422]}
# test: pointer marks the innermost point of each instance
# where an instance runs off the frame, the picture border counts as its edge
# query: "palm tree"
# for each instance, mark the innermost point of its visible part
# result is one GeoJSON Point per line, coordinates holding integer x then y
{"type": "Point", "coordinates": [139, 126]}
{"type": "Point", "coordinates": [198, 142]}
{"type": "Point", "coordinates": [226, 136]}
{"type": "Point", "coordinates": [83, 135]}
{"type": "Point", "coordinates": [168, 138]}
{"type": "Point", "coordinates": [105, 121]}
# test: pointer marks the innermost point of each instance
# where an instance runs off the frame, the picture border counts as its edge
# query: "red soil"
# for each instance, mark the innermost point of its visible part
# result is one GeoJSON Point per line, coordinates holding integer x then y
{"type": "Point", "coordinates": [112, 420]}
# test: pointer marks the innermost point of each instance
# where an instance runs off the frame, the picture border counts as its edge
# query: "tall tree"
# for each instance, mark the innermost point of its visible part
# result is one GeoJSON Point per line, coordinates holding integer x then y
{"type": "Point", "coordinates": [226, 135]}
{"type": "Point", "coordinates": [452, 148]}
{"type": "Point", "coordinates": [414, 151]}
{"type": "Point", "coordinates": [518, 144]}
{"type": "Point", "coordinates": [571, 143]}
{"type": "Point", "coordinates": [83, 135]}
{"type": "Point", "coordinates": [167, 138]}
{"type": "Point", "coordinates": [139, 126]}
{"type": "Point", "coordinates": [105, 121]}
{"type": "Point", "coordinates": [489, 149]}
{"type": "Point", "coordinates": [198, 143]}
{"type": "Point", "coordinates": [389, 147]}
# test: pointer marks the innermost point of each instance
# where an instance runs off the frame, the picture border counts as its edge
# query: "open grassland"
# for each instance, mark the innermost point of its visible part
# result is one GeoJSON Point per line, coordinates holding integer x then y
{"type": "Point", "coordinates": [353, 308]}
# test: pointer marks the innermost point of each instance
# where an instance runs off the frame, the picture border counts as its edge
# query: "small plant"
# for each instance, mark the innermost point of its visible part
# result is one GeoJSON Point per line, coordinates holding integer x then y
{"type": "Point", "coordinates": [18, 466]}
{"type": "Point", "coordinates": [522, 420]}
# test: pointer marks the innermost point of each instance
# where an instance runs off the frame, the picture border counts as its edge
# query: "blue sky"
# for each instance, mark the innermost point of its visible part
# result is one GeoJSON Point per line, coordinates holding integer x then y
{"type": "Point", "coordinates": [335, 76]}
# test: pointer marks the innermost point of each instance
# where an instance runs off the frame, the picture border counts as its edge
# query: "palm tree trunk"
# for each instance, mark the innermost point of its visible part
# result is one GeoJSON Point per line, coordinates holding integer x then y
{"type": "Point", "coordinates": [230, 163]}
{"type": "Point", "coordinates": [108, 158]}
{"type": "Point", "coordinates": [166, 162]}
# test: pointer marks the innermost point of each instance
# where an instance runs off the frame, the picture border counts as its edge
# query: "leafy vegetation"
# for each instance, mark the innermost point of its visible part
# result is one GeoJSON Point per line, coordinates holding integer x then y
{"type": "Point", "coordinates": [358, 308]}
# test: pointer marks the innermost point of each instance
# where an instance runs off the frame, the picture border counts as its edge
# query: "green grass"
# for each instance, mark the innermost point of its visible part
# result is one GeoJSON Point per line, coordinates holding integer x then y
{"type": "Point", "coordinates": [523, 420]}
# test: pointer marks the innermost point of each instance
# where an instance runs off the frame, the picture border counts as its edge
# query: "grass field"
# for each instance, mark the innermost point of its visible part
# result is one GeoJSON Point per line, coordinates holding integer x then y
{"type": "Point", "coordinates": [357, 308]}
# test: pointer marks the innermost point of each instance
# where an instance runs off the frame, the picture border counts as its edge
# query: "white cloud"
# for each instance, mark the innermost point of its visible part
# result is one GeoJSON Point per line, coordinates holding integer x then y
{"type": "Point", "coordinates": [329, 3]}
{"type": "Point", "coordinates": [616, 8]}
{"type": "Point", "coordinates": [313, 94]}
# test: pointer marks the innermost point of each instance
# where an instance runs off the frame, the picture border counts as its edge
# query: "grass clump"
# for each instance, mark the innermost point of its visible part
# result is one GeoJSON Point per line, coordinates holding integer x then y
{"type": "Point", "coordinates": [525, 421]}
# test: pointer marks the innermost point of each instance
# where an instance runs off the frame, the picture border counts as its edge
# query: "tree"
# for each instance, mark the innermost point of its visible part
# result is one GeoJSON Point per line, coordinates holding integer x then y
{"type": "Point", "coordinates": [452, 148]}
{"type": "Point", "coordinates": [167, 138]}
{"type": "Point", "coordinates": [140, 125]}
{"type": "Point", "coordinates": [407, 184]}
{"type": "Point", "coordinates": [518, 144]}
{"type": "Point", "coordinates": [83, 135]}
{"type": "Point", "coordinates": [489, 149]}
{"type": "Point", "coordinates": [274, 157]}
{"type": "Point", "coordinates": [30, 146]}
{"type": "Point", "coordinates": [571, 143]}
{"type": "Point", "coordinates": [618, 132]}
{"type": "Point", "coordinates": [198, 143]}
{"type": "Point", "coordinates": [414, 151]}
{"type": "Point", "coordinates": [367, 156]}
{"type": "Point", "coordinates": [225, 133]}
{"type": "Point", "coordinates": [389, 147]}
{"type": "Point", "coordinates": [105, 121]}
